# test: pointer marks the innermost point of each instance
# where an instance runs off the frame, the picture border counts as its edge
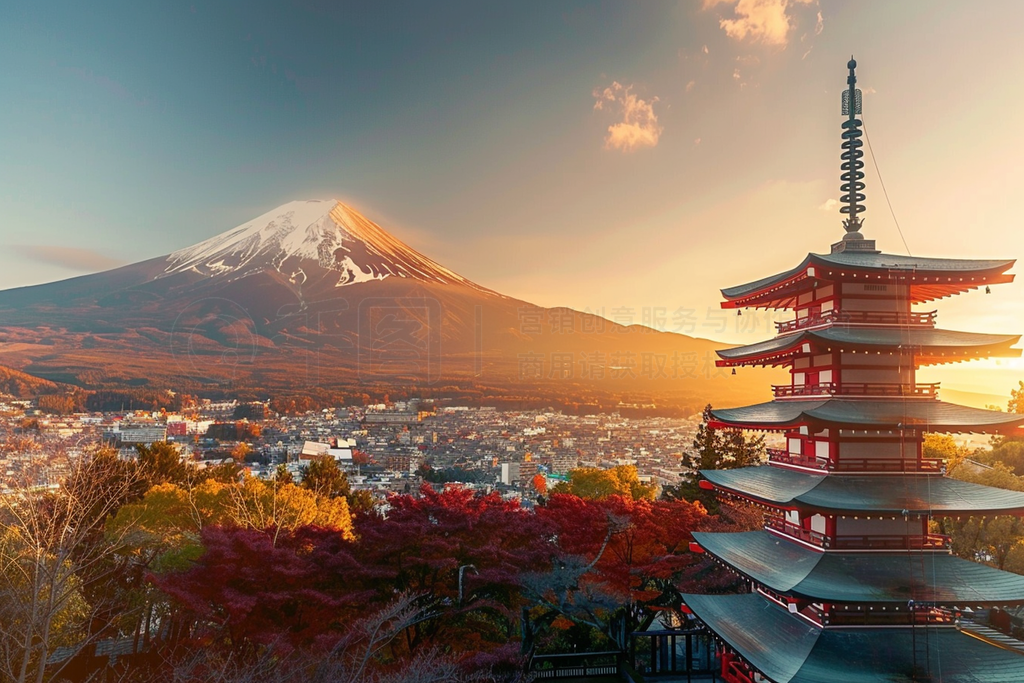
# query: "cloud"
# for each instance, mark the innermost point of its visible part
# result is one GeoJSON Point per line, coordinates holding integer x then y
{"type": "Point", "coordinates": [73, 258]}
{"type": "Point", "coordinates": [829, 205]}
{"type": "Point", "coordinates": [639, 125]}
{"type": "Point", "coordinates": [759, 21]}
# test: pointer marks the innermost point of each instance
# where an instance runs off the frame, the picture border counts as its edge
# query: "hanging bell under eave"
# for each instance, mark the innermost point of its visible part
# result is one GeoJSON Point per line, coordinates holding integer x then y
{"type": "Point", "coordinates": [734, 371]}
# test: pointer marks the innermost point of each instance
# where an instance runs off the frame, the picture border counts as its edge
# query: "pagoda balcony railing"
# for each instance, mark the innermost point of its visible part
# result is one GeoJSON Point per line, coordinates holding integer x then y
{"type": "Point", "coordinates": [736, 672]}
{"type": "Point", "coordinates": [867, 542]}
{"type": "Point", "coordinates": [872, 389]}
{"type": "Point", "coordinates": [880, 542]}
{"type": "Point", "coordinates": [797, 531]}
{"type": "Point", "coordinates": [925, 465]}
{"type": "Point", "coordinates": [783, 456]}
{"type": "Point", "coordinates": [877, 617]}
{"type": "Point", "coordinates": [928, 465]}
{"type": "Point", "coordinates": [857, 318]}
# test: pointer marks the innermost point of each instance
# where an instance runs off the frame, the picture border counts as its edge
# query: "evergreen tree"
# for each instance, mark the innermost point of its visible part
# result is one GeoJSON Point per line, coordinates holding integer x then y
{"type": "Point", "coordinates": [714, 449]}
{"type": "Point", "coordinates": [722, 449]}
{"type": "Point", "coordinates": [325, 478]}
{"type": "Point", "coordinates": [161, 463]}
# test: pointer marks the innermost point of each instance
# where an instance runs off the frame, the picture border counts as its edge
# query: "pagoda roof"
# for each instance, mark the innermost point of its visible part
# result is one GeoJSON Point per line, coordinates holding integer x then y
{"type": "Point", "coordinates": [855, 578]}
{"type": "Point", "coordinates": [893, 413]}
{"type": "Point", "coordinates": [929, 278]}
{"type": "Point", "coordinates": [891, 494]}
{"type": "Point", "coordinates": [788, 649]}
{"type": "Point", "coordinates": [931, 345]}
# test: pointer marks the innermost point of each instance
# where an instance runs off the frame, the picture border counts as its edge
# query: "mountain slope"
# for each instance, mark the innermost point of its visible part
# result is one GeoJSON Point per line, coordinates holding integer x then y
{"type": "Point", "coordinates": [313, 293]}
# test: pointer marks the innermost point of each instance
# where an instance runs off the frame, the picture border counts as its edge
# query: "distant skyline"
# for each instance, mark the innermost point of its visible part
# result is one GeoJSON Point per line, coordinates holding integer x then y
{"type": "Point", "coordinates": [624, 158]}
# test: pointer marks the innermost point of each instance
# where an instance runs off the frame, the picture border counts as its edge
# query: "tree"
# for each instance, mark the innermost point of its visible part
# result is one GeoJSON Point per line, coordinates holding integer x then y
{"type": "Point", "coordinates": [945, 447]}
{"type": "Point", "coordinates": [324, 477]}
{"type": "Point", "coordinates": [250, 591]}
{"type": "Point", "coordinates": [714, 449]}
{"type": "Point", "coordinates": [598, 484]}
{"type": "Point", "coordinates": [619, 559]}
{"type": "Point", "coordinates": [169, 520]}
{"type": "Point", "coordinates": [1008, 451]}
{"type": "Point", "coordinates": [540, 484]}
{"type": "Point", "coordinates": [361, 654]}
{"type": "Point", "coordinates": [988, 539]}
{"type": "Point", "coordinates": [424, 543]}
{"type": "Point", "coordinates": [718, 449]}
{"type": "Point", "coordinates": [282, 475]}
{"type": "Point", "coordinates": [161, 463]}
{"type": "Point", "coordinates": [1016, 403]}
{"type": "Point", "coordinates": [241, 451]}
{"type": "Point", "coordinates": [258, 505]}
{"type": "Point", "coordinates": [51, 547]}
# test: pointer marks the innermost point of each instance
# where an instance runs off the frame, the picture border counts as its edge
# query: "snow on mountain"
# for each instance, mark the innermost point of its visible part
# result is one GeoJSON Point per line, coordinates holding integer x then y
{"type": "Point", "coordinates": [334, 236]}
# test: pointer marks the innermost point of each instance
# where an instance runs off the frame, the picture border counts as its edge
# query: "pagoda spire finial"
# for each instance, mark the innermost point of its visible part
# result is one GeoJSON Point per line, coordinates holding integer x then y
{"type": "Point", "coordinates": [853, 175]}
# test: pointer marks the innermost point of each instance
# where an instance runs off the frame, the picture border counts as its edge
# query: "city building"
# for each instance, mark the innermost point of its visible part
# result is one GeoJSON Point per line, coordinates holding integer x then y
{"type": "Point", "coordinates": [849, 581]}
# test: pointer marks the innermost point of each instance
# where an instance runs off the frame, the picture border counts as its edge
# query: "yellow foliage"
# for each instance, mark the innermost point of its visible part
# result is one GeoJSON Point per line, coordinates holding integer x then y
{"type": "Point", "coordinates": [945, 447]}
{"type": "Point", "coordinates": [597, 484]}
{"type": "Point", "coordinates": [166, 524]}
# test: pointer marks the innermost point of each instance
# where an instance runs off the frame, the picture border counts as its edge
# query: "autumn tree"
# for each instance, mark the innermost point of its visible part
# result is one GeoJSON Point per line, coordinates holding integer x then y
{"type": "Point", "coordinates": [282, 475]}
{"type": "Point", "coordinates": [424, 544]}
{"type": "Point", "coordinates": [619, 558]}
{"type": "Point", "coordinates": [598, 484]}
{"type": "Point", "coordinates": [944, 447]}
{"type": "Point", "coordinates": [51, 547]}
{"type": "Point", "coordinates": [461, 554]}
{"type": "Point", "coordinates": [540, 484]}
{"type": "Point", "coordinates": [241, 451]}
{"type": "Point", "coordinates": [256, 504]}
{"type": "Point", "coordinates": [360, 654]}
{"type": "Point", "coordinates": [988, 539]}
{"type": "Point", "coordinates": [1016, 403]}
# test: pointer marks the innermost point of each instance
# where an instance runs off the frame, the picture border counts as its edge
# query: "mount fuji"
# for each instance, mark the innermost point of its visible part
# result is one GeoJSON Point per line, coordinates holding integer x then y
{"type": "Point", "coordinates": [290, 238]}
{"type": "Point", "coordinates": [313, 293]}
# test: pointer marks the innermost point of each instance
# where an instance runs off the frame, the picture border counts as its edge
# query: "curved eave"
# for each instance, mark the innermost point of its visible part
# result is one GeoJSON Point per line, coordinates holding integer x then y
{"type": "Point", "coordinates": [774, 291]}
{"type": "Point", "coordinates": [787, 649]}
{"type": "Point", "coordinates": [929, 279]}
{"type": "Point", "coordinates": [856, 413]}
{"type": "Point", "coordinates": [862, 578]}
{"type": "Point", "coordinates": [855, 494]}
{"type": "Point", "coordinates": [929, 346]}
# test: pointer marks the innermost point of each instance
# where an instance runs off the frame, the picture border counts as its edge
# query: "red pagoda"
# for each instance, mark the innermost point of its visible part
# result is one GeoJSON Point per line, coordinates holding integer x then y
{"type": "Point", "coordinates": [848, 582]}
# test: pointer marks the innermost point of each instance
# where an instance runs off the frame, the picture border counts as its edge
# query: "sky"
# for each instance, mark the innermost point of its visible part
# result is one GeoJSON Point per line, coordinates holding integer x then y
{"type": "Point", "coordinates": [626, 158]}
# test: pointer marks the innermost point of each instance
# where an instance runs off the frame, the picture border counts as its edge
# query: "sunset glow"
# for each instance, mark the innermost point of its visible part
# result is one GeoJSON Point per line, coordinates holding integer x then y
{"type": "Point", "coordinates": [622, 159]}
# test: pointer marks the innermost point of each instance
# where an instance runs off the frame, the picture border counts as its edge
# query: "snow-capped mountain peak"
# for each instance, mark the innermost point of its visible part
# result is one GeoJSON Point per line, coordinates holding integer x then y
{"type": "Point", "coordinates": [328, 233]}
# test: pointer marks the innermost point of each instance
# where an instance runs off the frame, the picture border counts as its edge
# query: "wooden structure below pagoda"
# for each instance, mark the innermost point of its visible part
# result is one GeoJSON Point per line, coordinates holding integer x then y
{"type": "Point", "coordinates": [849, 583]}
